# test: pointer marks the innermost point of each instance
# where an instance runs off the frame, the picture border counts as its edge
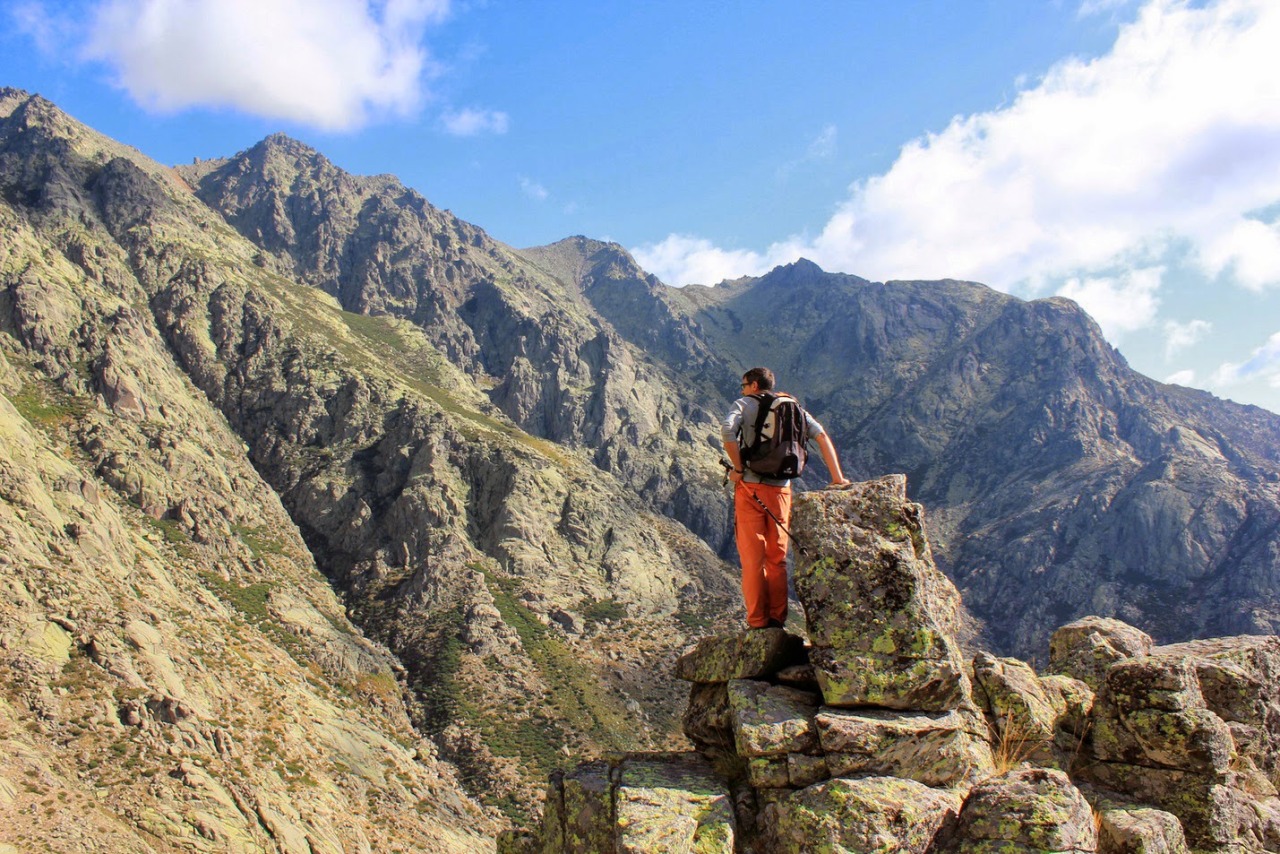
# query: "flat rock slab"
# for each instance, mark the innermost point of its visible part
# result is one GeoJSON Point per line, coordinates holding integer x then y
{"type": "Point", "coordinates": [862, 816]}
{"type": "Point", "coordinates": [892, 682]}
{"type": "Point", "coordinates": [639, 803]}
{"type": "Point", "coordinates": [751, 654]}
{"type": "Point", "coordinates": [940, 749]}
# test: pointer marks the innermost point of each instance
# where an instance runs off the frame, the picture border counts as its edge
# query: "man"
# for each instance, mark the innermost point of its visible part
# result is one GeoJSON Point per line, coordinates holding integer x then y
{"type": "Point", "coordinates": [762, 544]}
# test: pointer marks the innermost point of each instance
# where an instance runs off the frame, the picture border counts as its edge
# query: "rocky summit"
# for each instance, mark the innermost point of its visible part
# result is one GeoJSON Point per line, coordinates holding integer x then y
{"type": "Point", "coordinates": [876, 736]}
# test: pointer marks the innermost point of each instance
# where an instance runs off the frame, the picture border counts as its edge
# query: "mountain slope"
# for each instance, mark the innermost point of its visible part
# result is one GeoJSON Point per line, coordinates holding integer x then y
{"type": "Point", "coordinates": [528, 594]}
{"type": "Point", "coordinates": [174, 666]}
{"type": "Point", "coordinates": [548, 357]}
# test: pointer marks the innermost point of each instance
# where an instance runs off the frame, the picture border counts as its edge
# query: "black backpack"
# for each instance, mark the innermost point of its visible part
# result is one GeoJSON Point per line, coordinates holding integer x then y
{"type": "Point", "coordinates": [779, 447]}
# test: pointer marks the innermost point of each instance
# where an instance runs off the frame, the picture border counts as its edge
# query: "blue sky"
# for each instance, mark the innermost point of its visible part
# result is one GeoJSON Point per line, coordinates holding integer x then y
{"type": "Point", "coordinates": [1125, 153]}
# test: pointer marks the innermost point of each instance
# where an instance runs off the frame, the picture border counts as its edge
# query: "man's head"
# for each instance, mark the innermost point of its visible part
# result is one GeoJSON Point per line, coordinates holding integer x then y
{"type": "Point", "coordinates": [761, 378]}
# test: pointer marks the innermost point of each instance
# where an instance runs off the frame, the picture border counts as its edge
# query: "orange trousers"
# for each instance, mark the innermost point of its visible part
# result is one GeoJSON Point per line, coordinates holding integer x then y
{"type": "Point", "coordinates": [762, 547]}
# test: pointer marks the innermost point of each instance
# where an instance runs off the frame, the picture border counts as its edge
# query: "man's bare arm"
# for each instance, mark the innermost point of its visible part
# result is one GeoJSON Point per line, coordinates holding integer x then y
{"type": "Point", "coordinates": [832, 459]}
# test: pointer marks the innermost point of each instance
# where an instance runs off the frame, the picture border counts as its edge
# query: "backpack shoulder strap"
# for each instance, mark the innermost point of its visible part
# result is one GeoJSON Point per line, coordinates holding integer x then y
{"type": "Point", "coordinates": [764, 401]}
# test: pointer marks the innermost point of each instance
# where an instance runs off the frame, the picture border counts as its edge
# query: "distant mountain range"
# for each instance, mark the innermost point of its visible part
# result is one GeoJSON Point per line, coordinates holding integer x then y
{"type": "Point", "coordinates": [269, 373]}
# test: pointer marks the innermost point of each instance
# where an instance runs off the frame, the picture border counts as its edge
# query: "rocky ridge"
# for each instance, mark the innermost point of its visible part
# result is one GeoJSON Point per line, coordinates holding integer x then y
{"type": "Point", "coordinates": [468, 441]}
{"type": "Point", "coordinates": [876, 736]}
{"type": "Point", "coordinates": [585, 354]}
{"type": "Point", "coordinates": [1062, 483]}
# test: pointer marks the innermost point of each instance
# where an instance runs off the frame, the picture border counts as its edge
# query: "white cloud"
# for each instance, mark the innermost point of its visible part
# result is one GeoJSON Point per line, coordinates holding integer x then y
{"type": "Point", "coordinates": [1186, 378]}
{"type": "Point", "coordinates": [1169, 141]}
{"type": "Point", "coordinates": [1120, 303]}
{"type": "Point", "coordinates": [473, 122]}
{"type": "Point", "coordinates": [1180, 336]}
{"type": "Point", "coordinates": [684, 260]}
{"type": "Point", "coordinates": [333, 64]}
{"type": "Point", "coordinates": [534, 190]}
{"type": "Point", "coordinates": [1264, 364]}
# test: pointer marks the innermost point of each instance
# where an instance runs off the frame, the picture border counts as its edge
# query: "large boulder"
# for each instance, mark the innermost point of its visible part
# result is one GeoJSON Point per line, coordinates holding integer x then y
{"type": "Point", "coordinates": [1025, 810]}
{"type": "Point", "coordinates": [665, 805]}
{"type": "Point", "coordinates": [1190, 728]}
{"type": "Point", "coordinates": [1084, 649]}
{"type": "Point", "coordinates": [1150, 713]}
{"type": "Point", "coordinates": [881, 617]}
{"type": "Point", "coordinates": [772, 720]}
{"type": "Point", "coordinates": [639, 803]}
{"type": "Point", "coordinates": [869, 814]}
{"type": "Point", "coordinates": [1239, 679]}
{"type": "Point", "coordinates": [1140, 830]}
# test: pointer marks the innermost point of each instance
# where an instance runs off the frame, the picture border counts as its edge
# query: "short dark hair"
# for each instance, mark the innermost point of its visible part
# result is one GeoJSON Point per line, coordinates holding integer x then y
{"type": "Point", "coordinates": [762, 377]}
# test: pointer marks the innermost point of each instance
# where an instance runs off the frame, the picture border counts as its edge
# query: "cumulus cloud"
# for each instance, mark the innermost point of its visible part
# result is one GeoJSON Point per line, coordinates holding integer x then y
{"type": "Point", "coordinates": [333, 64]}
{"type": "Point", "coordinates": [1180, 336]}
{"type": "Point", "coordinates": [1120, 303]}
{"type": "Point", "coordinates": [473, 122]}
{"type": "Point", "coordinates": [686, 260]}
{"type": "Point", "coordinates": [682, 259]}
{"type": "Point", "coordinates": [1263, 364]}
{"type": "Point", "coordinates": [1169, 142]}
{"type": "Point", "coordinates": [1186, 378]}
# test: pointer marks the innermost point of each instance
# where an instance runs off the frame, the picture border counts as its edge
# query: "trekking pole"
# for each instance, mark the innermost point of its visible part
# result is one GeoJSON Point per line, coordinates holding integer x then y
{"type": "Point", "coordinates": [728, 467]}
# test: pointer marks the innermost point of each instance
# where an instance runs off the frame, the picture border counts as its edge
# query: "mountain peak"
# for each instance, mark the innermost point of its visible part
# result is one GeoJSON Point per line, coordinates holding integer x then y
{"type": "Point", "coordinates": [800, 270]}
{"type": "Point", "coordinates": [281, 145]}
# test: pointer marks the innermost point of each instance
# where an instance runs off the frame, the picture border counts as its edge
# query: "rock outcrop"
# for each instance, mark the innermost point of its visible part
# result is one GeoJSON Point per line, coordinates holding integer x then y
{"type": "Point", "coordinates": [1176, 750]}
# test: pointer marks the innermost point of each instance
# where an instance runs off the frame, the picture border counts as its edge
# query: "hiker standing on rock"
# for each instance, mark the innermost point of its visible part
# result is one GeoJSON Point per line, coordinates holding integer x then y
{"type": "Point", "coordinates": [765, 434]}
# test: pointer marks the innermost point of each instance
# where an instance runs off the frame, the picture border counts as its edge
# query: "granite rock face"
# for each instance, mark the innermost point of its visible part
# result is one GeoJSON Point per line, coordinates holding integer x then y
{"type": "Point", "coordinates": [1175, 751]}
{"type": "Point", "coordinates": [1032, 809]}
{"type": "Point", "coordinates": [882, 618]}
{"type": "Point", "coordinates": [872, 814]}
